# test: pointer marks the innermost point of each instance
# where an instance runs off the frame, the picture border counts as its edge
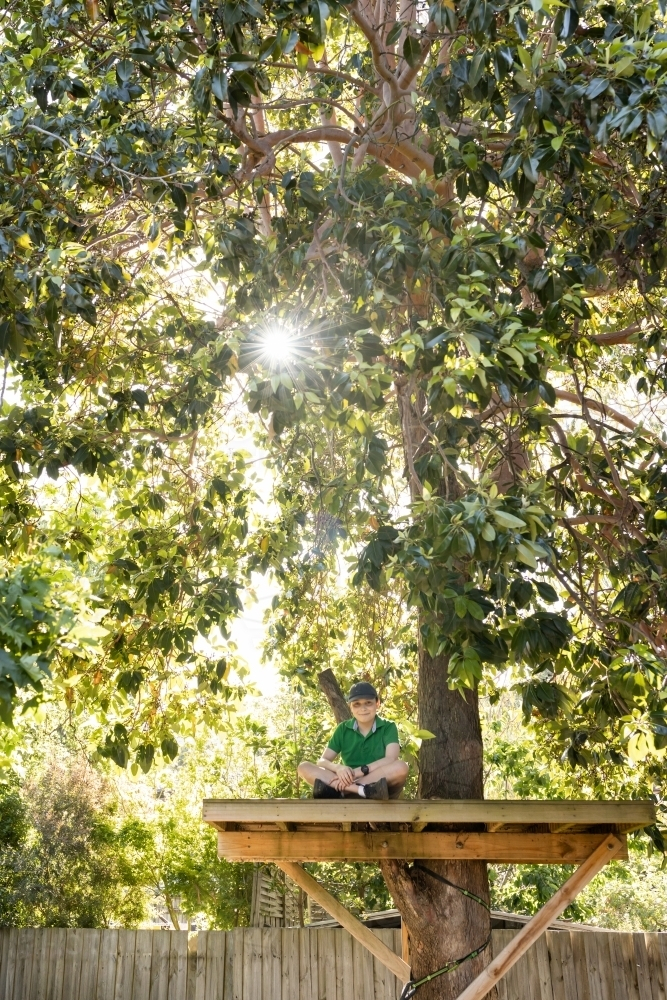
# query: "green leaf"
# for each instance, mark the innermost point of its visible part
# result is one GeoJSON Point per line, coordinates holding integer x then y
{"type": "Point", "coordinates": [412, 50]}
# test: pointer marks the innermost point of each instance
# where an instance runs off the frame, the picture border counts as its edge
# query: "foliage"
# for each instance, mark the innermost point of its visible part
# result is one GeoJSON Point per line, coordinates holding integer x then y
{"type": "Point", "coordinates": [66, 861]}
{"type": "Point", "coordinates": [472, 285]}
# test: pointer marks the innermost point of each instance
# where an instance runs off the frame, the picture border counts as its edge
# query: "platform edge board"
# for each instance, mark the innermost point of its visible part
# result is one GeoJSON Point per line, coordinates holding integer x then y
{"type": "Point", "coordinates": [515, 848]}
{"type": "Point", "coordinates": [630, 815]}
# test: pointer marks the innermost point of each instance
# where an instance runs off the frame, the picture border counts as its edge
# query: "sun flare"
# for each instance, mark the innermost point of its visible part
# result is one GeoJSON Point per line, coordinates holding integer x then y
{"type": "Point", "coordinates": [278, 344]}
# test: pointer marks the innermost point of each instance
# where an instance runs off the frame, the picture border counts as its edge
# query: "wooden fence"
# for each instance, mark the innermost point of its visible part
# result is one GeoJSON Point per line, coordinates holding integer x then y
{"type": "Point", "coordinates": [293, 964]}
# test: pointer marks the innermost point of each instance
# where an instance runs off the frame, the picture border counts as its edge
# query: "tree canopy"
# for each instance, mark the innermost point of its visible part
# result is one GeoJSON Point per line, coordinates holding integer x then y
{"type": "Point", "coordinates": [452, 220]}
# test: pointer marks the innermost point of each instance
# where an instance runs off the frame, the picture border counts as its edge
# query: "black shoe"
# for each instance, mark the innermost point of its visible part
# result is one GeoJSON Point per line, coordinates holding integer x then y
{"type": "Point", "coordinates": [323, 791]}
{"type": "Point", "coordinates": [377, 790]}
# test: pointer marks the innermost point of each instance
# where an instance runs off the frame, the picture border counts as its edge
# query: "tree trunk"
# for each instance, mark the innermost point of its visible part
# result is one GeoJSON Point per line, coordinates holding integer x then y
{"type": "Point", "coordinates": [329, 685]}
{"type": "Point", "coordinates": [443, 924]}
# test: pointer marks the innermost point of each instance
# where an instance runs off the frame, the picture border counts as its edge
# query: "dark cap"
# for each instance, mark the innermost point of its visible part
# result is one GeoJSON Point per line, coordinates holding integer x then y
{"type": "Point", "coordinates": [362, 689]}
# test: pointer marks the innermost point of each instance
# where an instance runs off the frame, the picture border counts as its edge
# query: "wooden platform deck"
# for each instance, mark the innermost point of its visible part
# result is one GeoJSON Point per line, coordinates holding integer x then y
{"type": "Point", "coordinates": [516, 831]}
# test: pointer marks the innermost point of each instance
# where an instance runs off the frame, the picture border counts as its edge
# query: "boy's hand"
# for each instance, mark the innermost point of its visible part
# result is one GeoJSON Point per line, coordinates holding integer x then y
{"type": "Point", "coordinates": [344, 777]}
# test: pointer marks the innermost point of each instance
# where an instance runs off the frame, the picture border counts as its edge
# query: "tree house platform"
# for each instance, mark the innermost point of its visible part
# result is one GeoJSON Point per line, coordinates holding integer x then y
{"type": "Point", "coordinates": [506, 831]}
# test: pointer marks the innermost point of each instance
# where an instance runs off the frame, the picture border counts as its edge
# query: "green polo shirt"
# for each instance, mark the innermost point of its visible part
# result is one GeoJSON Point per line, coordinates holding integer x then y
{"type": "Point", "coordinates": [356, 749]}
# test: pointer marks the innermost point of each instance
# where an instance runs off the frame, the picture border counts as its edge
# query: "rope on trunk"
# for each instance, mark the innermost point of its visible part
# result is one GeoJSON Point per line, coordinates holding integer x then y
{"type": "Point", "coordinates": [412, 986]}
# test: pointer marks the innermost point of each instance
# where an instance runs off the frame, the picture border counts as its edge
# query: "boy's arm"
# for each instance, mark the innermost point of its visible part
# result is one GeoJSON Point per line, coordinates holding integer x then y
{"type": "Point", "coordinates": [327, 760]}
{"type": "Point", "coordinates": [391, 753]}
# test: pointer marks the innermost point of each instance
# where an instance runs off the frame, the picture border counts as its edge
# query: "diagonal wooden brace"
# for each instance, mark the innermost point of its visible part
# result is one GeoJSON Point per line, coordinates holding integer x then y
{"type": "Point", "coordinates": [529, 934]}
{"type": "Point", "coordinates": [358, 930]}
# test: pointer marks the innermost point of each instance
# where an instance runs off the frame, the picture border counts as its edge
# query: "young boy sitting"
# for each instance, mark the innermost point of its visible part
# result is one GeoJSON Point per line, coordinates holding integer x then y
{"type": "Point", "coordinates": [369, 749]}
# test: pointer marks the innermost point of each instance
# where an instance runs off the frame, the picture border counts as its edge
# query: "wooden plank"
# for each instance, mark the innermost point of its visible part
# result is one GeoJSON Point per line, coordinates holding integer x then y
{"type": "Point", "coordinates": [191, 985]}
{"type": "Point", "coordinates": [526, 982]}
{"type": "Point", "coordinates": [200, 968]}
{"type": "Point", "coordinates": [657, 974]}
{"type": "Point", "coordinates": [73, 960]}
{"type": "Point", "coordinates": [89, 964]}
{"type": "Point", "coordinates": [9, 967]}
{"type": "Point", "coordinates": [642, 966]}
{"type": "Point", "coordinates": [398, 948]}
{"type": "Point", "coordinates": [127, 941]}
{"type": "Point", "coordinates": [405, 943]}
{"type": "Point", "coordinates": [272, 957]}
{"type": "Point", "coordinates": [499, 939]}
{"type": "Point", "coordinates": [143, 957]}
{"type": "Point", "coordinates": [326, 962]}
{"type": "Point", "coordinates": [553, 942]}
{"type": "Point", "coordinates": [344, 918]}
{"type": "Point", "coordinates": [40, 969]}
{"type": "Point", "coordinates": [237, 949]}
{"type": "Point", "coordinates": [54, 989]}
{"type": "Point", "coordinates": [383, 977]}
{"type": "Point", "coordinates": [228, 970]}
{"type": "Point", "coordinates": [252, 963]}
{"type": "Point", "coordinates": [576, 983]}
{"type": "Point", "coordinates": [592, 950]}
{"type": "Point", "coordinates": [539, 923]}
{"type": "Point", "coordinates": [159, 981]}
{"type": "Point", "coordinates": [289, 973]}
{"type": "Point", "coordinates": [346, 958]}
{"type": "Point", "coordinates": [305, 967]}
{"type": "Point", "coordinates": [622, 815]}
{"type": "Point", "coordinates": [580, 965]}
{"type": "Point", "coordinates": [24, 957]}
{"type": "Point", "coordinates": [608, 968]}
{"type": "Point", "coordinates": [106, 970]}
{"type": "Point", "coordinates": [514, 847]}
{"type": "Point", "coordinates": [662, 944]}
{"type": "Point", "coordinates": [317, 975]}
{"type": "Point", "coordinates": [4, 955]}
{"type": "Point", "coordinates": [625, 946]}
{"type": "Point", "coordinates": [178, 965]}
{"type": "Point", "coordinates": [363, 972]}
{"type": "Point", "coordinates": [543, 968]}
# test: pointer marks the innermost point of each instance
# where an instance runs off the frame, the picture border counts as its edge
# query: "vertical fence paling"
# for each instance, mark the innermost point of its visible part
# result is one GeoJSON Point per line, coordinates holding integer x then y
{"type": "Point", "coordinates": [300, 964]}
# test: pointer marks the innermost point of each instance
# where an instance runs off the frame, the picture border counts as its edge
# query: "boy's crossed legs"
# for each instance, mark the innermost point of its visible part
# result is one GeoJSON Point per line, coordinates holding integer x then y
{"type": "Point", "coordinates": [348, 781]}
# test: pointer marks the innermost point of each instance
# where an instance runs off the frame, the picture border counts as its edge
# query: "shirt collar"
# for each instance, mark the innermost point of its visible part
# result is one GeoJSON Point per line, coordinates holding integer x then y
{"type": "Point", "coordinates": [375, 725]}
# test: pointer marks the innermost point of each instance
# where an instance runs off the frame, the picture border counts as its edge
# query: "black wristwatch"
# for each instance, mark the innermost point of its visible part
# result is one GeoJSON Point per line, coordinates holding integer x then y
{"type": "Point", "coordinates": [365, 769]}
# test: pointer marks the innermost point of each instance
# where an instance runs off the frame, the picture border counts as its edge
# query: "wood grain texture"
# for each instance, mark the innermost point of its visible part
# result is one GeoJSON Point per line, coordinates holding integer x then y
{"type": "Point", "coordinates": [127, 940]}
{"type": "Point", "coordinates": [23, 971]}
{"type": "Point", "coordinates": [106, 970]}
{"type": "Point", "coordinates": [657, 973]}
{"type": "Point", "coordinates": [527, 936]}
{"type": "Point", "coordinates": [619, 815]}
{"type": "Point", "coordinates": [54, 989]}
{"type": "Point", "coordinates": [643, 966]}
{"type": "Point", "coordinates": [345, 918]}
{"type": "Point", "coordinates": [229, 966]}
{"type": "Point", "coordinates": [73, 959]}
{"type": "Point", "coordinates": [211, 966]}
{"type": "Point", "coordinates": [40, 968]}
{"type": "Point", "coordinates": [159, 981]}
{"type": "Point", "coordinates": [304, 964]}
{"type": "Point", "coordinates": [178, 965]}
{"type": "Point", "coordinates": [330, 845]}
{"type": "Point", "coordinates": [143, 957]}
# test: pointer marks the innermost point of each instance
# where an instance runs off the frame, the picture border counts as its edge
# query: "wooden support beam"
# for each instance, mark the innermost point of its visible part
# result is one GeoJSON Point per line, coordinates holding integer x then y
{"type": "Point", "coordinates": [358, 930]}
{"type": "Point", "coordinates": [529, 934]}
{"type": "Point", "coordinates": [405, 943]}
{"type": "Point", "coordinates": [494, 827]}
{"type": "Point", "coordinates": [285, 827]}
{"type": "Point", "coordinates": [515, 847]}
{"type": "Point", "coordinates": [419, 826]}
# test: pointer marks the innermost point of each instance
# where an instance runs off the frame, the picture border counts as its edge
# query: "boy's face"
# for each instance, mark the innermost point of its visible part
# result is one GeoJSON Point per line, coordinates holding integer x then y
{"type": "Point", "coordinates": [364, 710]}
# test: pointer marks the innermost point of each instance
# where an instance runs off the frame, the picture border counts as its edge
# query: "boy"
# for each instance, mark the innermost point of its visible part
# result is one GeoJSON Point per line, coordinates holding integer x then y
{"type": "Point", "coordinates": [369, 749]}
